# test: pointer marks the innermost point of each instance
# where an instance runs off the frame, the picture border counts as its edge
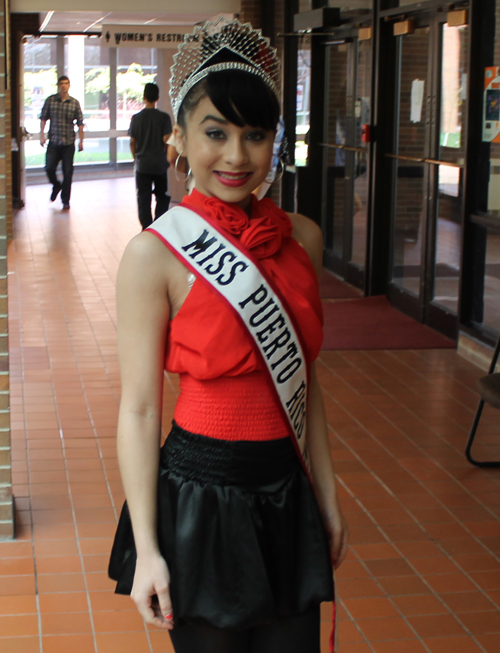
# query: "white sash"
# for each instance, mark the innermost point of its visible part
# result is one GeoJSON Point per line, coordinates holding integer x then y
{"type": "Point", "coordinates": [232, 273]}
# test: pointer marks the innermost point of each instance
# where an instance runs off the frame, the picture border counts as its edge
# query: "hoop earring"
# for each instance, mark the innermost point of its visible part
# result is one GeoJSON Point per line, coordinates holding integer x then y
{"type": "Point", "coordinates": [282, 170]}
{"type": "Point", "coordinates": [176, 171]}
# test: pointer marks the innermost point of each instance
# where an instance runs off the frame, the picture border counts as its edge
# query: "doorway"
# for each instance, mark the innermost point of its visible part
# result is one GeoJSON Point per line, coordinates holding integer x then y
{"type": "Point", "coordinates": [427, 160]}
{"type": "Point", "coordinates": [346, 154]}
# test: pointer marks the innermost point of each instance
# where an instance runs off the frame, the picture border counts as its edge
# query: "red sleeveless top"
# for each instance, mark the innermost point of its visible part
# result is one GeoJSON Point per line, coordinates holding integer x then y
{"type": "Point", "coordinates": [224, 389]}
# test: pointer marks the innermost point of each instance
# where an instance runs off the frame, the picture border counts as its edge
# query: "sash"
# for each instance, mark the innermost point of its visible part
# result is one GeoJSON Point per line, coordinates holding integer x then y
{"type": "Point", "coordinates": [219, 260]}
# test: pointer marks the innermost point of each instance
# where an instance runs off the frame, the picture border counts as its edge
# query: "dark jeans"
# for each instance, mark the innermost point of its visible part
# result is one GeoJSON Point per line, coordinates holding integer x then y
{"type": "Point", "coordinates": [144, 183]}
{"type": "Point", "coordinates": [64, 153]}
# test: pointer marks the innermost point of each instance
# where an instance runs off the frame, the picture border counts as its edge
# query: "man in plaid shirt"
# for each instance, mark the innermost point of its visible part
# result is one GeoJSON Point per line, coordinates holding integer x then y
{"type": "Point", "coordinates": [63, 112]}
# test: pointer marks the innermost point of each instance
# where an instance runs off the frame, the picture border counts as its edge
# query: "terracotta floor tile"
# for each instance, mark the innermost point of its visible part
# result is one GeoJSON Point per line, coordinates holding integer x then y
{"type": "Point", "coordinates": [452, 645]}
{"type": "Point", "coordinates": [50, 548]}
{"type": "Point", "coordinates": [97, 530]}
{"type": "Point", "coordinates": [68, 644]}
{"type": "Point", "coordinates": [385, 629]}
{"type": "Point", "coordinates": [68, 623]}
{"type": "Point", "coordinates": [403, 585]}
{"type": "Point", "coordinates": [17, 585]}
{"type": "Point", "coordinates": [481, 622]}
{"type": "Point", "coordinates": [436, 565]}
{"type": "Point", "coordinates": [463, 546]}
{"type": "Point", "coordinates": [375, 551]}
{"type": "Point", "coordinates": [351, 569]}
{"type": "Point", "coordinates": [17, 605]}
{"type": "Point", "coordinates": [59, 582]}
{"type": "Point", "coordinates": [480, 562]}
{"type": "Point", "coordinates": [122, 643]}
{"type": "Point", "coordinates": [389, 567]}
{"type": "Point", "coordinates": [436, 625]}
{"type": "Point", "coordinates": [365, 535]}
{"type": "Point", "coordinates": [467, 602]}
{"type": "Point", "coordinates": [444, 583]}
{"type": "Point", "coordinates": [118, 621]}
{"type": "Point", "coordinates": [487, 580]}
{"type": "Point", "coordinates": [347, 631]}
{"type": "Point", "coordinates": [357, 647]}
{"type": "Point", "coordinates": [420, 604]}
{"type": "Point", "coordinates": [20, 645]}
{"type": "Point", "coordinates": [63, 602]}
{"type": "Point", "coordinates": [490, 643]}
{"type": "Point", "coordinates": [16, 626]}
{"type": "Point", "coordinates": [370, 608]}
{"type": "Point", "coordinates": [15, 549]}
{"type": "Point", "coordinates": [399, 646]}
{"type": "Point", "coordinates": [160, 642]}
{"type": "Point", "coordinates": [358, 587]}
{"type": "Point", "coordinates": [421, 549]}
{"type": "Point", "coordinates": [107, 600]}
{"type": "Point", "coordinates": [16, 566]}
{"type": "Point", "coordinates": [99, 581]}
{"type": "Point", "coordinates": [52, 517]}
{"type": "Point", "coordinates": [393, 517]}
{"type": "Point", "coordinates": [59, 565]}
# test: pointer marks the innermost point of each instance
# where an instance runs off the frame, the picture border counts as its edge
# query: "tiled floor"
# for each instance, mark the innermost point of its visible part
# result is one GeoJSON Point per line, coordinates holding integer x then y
{"type": "Point", "coordinates": [423, 572]}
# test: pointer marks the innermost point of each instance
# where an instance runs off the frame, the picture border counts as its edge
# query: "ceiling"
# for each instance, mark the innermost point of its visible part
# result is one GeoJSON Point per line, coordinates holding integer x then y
{"type": "Point", "coordinates": [91, 21]}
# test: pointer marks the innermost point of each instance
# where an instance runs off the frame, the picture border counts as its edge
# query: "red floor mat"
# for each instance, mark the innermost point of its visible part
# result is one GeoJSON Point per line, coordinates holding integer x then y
{"type": "Point", "coordinates": [372, 323]}
{"type": "Point", "coordinates": [332, 288]}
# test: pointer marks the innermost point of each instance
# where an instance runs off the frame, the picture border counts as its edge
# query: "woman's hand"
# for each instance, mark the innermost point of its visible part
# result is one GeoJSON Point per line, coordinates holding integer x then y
{"type": "Point", "coordinates": [150, 591]}
{"type": "Point", "coordinates": [338, 536]}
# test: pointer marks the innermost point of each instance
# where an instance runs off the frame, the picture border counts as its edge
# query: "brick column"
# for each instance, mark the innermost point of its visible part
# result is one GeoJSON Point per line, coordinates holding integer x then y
{"type": "Point", "coordinates": [250, 12]}
{"type": "Point", "coordinates": [6, 501]}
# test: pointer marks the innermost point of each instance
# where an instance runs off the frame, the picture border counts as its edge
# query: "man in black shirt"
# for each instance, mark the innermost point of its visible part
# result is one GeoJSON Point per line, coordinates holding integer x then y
{"type": "Point", "coordinates": [63, 112]}
{"type": "Point", "coordinates": [149, 132]}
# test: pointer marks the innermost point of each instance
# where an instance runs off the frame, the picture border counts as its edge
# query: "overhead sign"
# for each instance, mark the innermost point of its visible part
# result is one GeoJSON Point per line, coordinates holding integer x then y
{"type": "Point", "coordinates": [144, 36]}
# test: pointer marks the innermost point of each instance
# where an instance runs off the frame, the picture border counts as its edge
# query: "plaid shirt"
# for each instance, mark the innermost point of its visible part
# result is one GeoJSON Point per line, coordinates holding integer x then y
{"type": "Point", "coordinates": [62, 116]}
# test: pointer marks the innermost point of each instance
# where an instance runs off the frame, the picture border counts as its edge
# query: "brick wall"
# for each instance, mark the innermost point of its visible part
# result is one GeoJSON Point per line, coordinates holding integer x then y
{"type": "Point", "coordinates": [250, 12]}
{"type": "Point", "coordinates": [6, 508]}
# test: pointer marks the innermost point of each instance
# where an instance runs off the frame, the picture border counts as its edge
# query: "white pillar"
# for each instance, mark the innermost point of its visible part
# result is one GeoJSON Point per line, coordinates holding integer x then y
{"type": "Point", "coordinates": [76, 68]}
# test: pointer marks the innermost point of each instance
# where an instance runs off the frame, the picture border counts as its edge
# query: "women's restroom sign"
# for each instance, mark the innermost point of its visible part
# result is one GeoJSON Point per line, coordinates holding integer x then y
{"type": "Point", "coordinates": [491, 105]}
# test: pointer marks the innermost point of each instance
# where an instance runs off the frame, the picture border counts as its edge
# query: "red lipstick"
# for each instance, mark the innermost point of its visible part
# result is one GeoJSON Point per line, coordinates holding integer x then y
{"type": "Point", "coordinates": [233, 179]}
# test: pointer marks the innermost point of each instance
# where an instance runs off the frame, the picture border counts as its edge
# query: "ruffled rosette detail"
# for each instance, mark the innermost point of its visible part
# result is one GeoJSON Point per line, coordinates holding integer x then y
{"type": "Point", "coordinates": [262, 233]}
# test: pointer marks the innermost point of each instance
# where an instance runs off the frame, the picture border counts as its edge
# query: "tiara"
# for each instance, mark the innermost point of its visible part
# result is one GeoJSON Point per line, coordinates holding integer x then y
{"type": "Point", "coordinates": [192, 61]}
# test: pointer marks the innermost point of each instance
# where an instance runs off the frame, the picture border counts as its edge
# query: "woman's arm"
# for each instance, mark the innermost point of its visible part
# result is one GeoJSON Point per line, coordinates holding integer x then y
{"type": "Point", "coordinates": [308, 234]}
{"type": "Point", "coordinates": [143, 313]}
{"type": "Point", "coordinates": [322, 473]}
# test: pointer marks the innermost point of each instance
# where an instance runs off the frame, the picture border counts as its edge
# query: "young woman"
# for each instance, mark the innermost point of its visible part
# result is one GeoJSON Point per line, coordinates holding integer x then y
{"type": "Point", "coordinates": [223, 540]}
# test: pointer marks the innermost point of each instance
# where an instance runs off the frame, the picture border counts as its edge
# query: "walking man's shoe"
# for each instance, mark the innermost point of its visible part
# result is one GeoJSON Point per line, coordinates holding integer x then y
{"type": "Point", "coordinates": [56, 189]}
{"type": "Point", "coordinates": [66, 207]}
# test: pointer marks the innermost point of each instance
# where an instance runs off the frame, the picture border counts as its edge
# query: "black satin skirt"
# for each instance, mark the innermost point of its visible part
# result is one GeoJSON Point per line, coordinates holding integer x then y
{"type": "Point", "coordinates": [240, 530]}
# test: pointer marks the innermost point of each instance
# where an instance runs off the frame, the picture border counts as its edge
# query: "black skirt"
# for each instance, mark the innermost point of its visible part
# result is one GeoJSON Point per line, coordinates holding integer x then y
{"type": "Point", "coordinates": [240, 530]}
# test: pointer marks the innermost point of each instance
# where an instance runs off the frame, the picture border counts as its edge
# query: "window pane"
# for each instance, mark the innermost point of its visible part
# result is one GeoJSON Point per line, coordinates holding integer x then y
{"type": "Point", "coordinates": [96, 104]}
{"type": "Point", "coordinates": [303, 101]}
{"type": "Point", "coordinates": [123, 152]}
{"type": "Point", "coordinates": [492, 282]}
{"type": "Point", "coordinates": [96, 150]}
{"type": "Point", "coordinates": [34, 154]}
{"type": "Point", "coordinates": [136, 67]}
{"type": "Point", "coordinates": [40, 79]}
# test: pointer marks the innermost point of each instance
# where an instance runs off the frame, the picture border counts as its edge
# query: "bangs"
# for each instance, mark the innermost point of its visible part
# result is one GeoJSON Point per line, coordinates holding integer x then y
{"type": "Point", "coordinates": [243, 99]}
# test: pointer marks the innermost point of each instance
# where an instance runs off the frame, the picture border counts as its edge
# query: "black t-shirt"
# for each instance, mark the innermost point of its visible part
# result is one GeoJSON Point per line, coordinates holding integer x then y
{"type": "Point", "coordinates": [148, 128]}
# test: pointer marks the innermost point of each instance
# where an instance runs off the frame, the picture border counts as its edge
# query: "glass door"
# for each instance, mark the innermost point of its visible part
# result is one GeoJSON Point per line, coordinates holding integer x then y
{"type": "Point", "coordinates": [427, 164]}
{"type": "Point", "coordinates": [346, 155]}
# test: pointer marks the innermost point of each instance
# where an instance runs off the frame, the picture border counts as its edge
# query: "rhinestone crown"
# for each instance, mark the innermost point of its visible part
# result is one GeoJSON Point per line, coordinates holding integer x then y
{"type": "Point", "coordinates": [209, 39]}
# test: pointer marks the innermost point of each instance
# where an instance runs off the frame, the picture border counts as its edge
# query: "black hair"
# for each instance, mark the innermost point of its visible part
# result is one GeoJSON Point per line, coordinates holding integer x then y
{"type": "Point", "coordinates": [151, 92]}
{"type": "Point", "coordinates": [62, 78]}
{"type": "Point", "coordinates": [241, 97]}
